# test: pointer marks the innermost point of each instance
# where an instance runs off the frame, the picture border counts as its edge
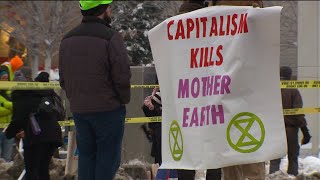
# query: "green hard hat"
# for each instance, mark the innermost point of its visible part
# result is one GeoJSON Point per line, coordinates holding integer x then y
{"type": "Point", "coordinates": [89, 4]}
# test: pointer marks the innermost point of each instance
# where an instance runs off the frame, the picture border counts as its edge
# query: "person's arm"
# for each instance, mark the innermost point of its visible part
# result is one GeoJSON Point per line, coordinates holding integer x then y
{"type": "Point", "coordinates": [120, 68]}
{"type": "Point", "coordinates": [4, 112]}
{"type": "Point", "coordinates": [22, 106]}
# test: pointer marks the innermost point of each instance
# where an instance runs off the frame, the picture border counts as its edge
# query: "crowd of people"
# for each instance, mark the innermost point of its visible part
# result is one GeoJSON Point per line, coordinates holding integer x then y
{"type": "Point", "coordinates": [98, 89]}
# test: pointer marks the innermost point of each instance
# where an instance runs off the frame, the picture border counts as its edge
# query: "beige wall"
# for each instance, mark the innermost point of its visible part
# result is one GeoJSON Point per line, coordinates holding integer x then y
{"type": "Point", "coordinates": [309, 64]}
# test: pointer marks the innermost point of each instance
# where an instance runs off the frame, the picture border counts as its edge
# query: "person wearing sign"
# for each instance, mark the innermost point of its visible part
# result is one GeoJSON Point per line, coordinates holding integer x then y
{"type": "Point", "coordinates": [95, 72]}
{"type": "Point", "coordinates": [255, 170]}
{"type": "Point", "coordinates": [212, 174]}
{"type": "Point", "coordinates": [291, 99]}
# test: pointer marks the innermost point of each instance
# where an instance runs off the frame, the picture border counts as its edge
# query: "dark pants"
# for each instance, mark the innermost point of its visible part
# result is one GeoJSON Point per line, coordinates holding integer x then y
{"type": "Point", "coordinates": [156, 145]}
{"type": "Point", "coordinates": [293, 153]}
{"type": "Point", "coordinates": [212, 174]}
{"type": "Point", "coordinates": [274, 166]}
{"type": "Point", "coordinates": [99, 139]}
{"type": "Point", "coordinates": [37, 159]}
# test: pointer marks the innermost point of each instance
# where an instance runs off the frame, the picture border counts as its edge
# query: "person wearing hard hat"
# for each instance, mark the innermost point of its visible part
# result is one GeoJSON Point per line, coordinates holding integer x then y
{"type": "Point", "coordinates": [95, 72]}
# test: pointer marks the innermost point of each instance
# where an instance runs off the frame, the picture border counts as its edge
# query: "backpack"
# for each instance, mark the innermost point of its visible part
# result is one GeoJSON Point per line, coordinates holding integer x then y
{"type": "Point", "coordinates": [52, 105]}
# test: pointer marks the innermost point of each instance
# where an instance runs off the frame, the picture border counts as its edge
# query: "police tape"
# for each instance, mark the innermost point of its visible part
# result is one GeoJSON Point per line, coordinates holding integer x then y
{"type": "Point", "coordinates": [144, 86]}
{"type": "Point", "coordinates": [137, 120]}
{"type": "Point", "coordinates": [299, 111]}
{"type": "Point", "coordinates": [5, 85]}
{"type": "Point", "coordinates": [300, 84]}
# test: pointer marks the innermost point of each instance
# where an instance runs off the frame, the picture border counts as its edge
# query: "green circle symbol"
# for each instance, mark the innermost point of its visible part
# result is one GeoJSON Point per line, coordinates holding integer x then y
{"type": "Point", "coordinates": [249, 119]}
{"type": "Point", "coordinates": [175, 141]}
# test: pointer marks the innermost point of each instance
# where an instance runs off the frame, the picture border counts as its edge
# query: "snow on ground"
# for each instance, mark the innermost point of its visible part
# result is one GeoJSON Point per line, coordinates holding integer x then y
{"type": "Point", "coordinates": [136, 162]}
{"type": "Point", "coordinates": [309, 168]}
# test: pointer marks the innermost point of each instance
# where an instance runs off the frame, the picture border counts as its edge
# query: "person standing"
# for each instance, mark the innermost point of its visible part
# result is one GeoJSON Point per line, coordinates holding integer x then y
{"type": "Point", "coordinates": [253, 170]}
{"type": "Point", "coordinates": [95, 72]}
{"type": "Point", "coordinates": [212, 174]}
{"type": "Point", "coordinates": [6, 145]}
{"type": "Point", "coordinates": [291, 99]}
{"type": "Point", "coordinates": [33, 120]}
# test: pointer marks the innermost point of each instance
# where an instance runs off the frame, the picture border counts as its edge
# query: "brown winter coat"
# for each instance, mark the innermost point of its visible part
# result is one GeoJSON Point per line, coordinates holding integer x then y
{"type": "Point", "coordinates": [291, 99]}
{"type": "Point", "coordinates": [94, 67]}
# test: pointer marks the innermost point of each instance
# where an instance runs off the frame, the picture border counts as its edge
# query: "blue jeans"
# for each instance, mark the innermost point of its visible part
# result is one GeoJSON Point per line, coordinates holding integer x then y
{"type": "Point", "coordinates": [99, 140]}
{"type": "Point", "coordinates": [6, 147]}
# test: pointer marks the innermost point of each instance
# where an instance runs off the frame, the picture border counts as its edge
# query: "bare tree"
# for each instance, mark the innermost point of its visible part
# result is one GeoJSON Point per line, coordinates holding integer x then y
{"type": "Point", "coordinates": [39, 25]}
{"type": "Point", "coordinates": [289, 32]}
{"type": "Point", "coordinates": [133, 19]}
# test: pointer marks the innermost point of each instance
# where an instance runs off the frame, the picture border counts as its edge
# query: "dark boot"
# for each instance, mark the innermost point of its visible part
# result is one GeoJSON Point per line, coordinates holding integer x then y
{"type": "Point", "coordinates": [213, 174]}
{"type": "Point", "coordinates": [186, 174]}
{"type": "Point", "coordinates": [274, 166]}
{"type": "Point", "coordinates": [306, 135]}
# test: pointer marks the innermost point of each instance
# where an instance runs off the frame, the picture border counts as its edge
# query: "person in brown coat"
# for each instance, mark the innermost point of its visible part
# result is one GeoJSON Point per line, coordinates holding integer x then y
{"type": "Point", "coordinates": [291, 99]}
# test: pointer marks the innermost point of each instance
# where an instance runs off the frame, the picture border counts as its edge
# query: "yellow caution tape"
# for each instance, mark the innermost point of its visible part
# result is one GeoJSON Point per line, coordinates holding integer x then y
{"type": "Point", "coordinates": [6, 85]}
{"type": "Point", "coordinates": [300, 84]}
{"type": "Point", "coordinates": [136, 120]}
{"type": "Point", "coordinates": [143, 120]}
{"type": "Point", "coordinates": [66, 123]}
{"type": "Point", "coordinates": [144, 86]}
{"type": "Point", "coordinates": [298, 111]}
{"type": "Point", "coordinates": [127, 120]}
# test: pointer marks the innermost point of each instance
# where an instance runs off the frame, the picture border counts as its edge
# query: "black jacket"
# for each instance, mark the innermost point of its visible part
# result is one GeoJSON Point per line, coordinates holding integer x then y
{"type": "Point", "coordinates": [25, 103]}
{"type": "Point", "coordinates": [94, 67]}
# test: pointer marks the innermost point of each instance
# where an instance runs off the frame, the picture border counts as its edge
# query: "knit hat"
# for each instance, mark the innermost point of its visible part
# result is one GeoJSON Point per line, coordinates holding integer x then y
{"type": "Point", "coordinates": [285, 72]}
{"type": "Point", "coordinates": [189, 6]}
{"type": "Point", "coordinates": [3, 73]}
{"type": "Point", "coordinates": [42, 77]}
{"type": "Point", "coordinates": [26, 72]}
{"type": "Point", "coordinates": [201, 2]}
{"type": "Point", "coordinates": [4, 70]}
{"type": "Point", "coordinates": [18, 76]}
{"type": "Point", "coordinates": [96, 11]}
{"type": "Point", "coordinates": [16, 63]}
